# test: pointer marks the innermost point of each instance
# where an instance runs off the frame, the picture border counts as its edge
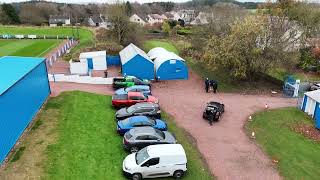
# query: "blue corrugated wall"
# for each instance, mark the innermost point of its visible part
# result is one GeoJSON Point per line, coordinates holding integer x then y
{"type": "Point", "coordinates": [317, 115]}
{"type": "Point", "coordinates": [139, 67]}
{"type": "Point", "coordinates": [113, 60]}
{"type": "Point", "coordinates": [19, 105]}
{"type": "Point", "coordinates": [168, 71]}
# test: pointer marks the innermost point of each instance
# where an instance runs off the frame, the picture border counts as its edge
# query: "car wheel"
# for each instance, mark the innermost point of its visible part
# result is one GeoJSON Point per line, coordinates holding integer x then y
{"type": "Point", "coordinates": [134, 149]}
{"type": "Point", "coordinates": [136, 177]}
{"type": "Point", "coordinates": [178, 174]}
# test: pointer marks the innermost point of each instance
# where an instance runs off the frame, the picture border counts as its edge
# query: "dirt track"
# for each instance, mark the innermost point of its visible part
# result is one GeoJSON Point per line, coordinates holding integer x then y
{"type": "Point", "coordinates": [229, 153]}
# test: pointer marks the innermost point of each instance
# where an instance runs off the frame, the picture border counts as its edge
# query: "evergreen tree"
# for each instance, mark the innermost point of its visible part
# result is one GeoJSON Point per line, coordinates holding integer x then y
{"type": "Point", "coordinates": [11, 13]}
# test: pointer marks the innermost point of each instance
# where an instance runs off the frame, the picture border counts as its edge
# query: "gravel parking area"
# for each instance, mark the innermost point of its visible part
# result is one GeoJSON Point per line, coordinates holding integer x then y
{"type": "Point", "coordinates": [229, 153]}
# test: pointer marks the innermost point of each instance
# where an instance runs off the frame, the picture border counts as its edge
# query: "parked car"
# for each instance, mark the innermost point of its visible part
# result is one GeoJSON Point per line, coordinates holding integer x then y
{"type": "Point", "coordinates": [137, 121]}
{"type": "Point", "coordinates": [315, 86]}
{"type": "Point", "coordinates": [140, 137]}
{"type": "Point", "coordinates": [122, 82]}
{"type": "Point", "coordinates": [131, 98]}
{"type": "Point", "coordinates": [156, 161]}
{"type": "Point", "coordinates": [213, 111]}
{"type": "Point", "coordinates": [136, 88]}
{"type": "Point", "coordinates": [139, 109]}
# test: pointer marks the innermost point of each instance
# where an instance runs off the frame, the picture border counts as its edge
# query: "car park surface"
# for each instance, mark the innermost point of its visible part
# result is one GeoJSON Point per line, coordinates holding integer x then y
{"type": "Point", "coordinates": [140, 137]}
{"type": "Point", "coordinates": [137, 121]}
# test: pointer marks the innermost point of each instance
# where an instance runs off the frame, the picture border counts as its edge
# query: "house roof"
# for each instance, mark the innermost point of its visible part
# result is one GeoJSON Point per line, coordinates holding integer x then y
{"type": "Point", "coordinates": [54, 19]}
{"type": "Point", "coordinates": [315, 95]}
{"type": "Point", "coordinates": [12, 69]}
{"type": "Point", "coordinates": [96, 19]}
{"type": "Point", "coordinates": [130, 52]}
{"type": "Point", "coordinates": [155, 16]}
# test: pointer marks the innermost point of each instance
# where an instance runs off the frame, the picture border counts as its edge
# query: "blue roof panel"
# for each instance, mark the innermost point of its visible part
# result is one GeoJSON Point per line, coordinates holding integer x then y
{"type": "Point", "coordinates": [12, 69]}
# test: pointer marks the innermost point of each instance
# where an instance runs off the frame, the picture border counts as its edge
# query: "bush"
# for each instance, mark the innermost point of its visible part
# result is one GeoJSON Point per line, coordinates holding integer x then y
{"type": "Point", "coordinates": [308, 60]}
{"type": "Point", "coordinates": [184, 31]}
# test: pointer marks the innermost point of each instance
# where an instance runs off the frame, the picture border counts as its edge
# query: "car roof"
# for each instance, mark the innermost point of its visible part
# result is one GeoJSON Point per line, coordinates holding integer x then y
{"type": "Point", "coordinates": [166, 149]}
{"type": "Point", "coordinates": [140, 86]}
{"type": "Point", "coordinates": [146, 104]}
{"type": "Point", "coordinates": [135, 94]}
{"type": "Point", "coordinates": [142, 130]}
{"type": "Point", "coordinates": [138, 119]}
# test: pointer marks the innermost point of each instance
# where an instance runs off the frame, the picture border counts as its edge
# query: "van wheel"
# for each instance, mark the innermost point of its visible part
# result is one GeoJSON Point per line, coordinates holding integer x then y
{"type": "Point", "coordinates": [136, 177]}
{"type": "Point", "coordinates": [178, 174]}
{"type": "Point", "coordinates": [134, 149]}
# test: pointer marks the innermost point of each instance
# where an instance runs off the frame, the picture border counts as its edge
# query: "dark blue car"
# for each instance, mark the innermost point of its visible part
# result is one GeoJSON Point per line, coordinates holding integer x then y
{"type": "Point", "coordinates": [137, 88]}
{"type": "Point", "coordinates": [138, 121]}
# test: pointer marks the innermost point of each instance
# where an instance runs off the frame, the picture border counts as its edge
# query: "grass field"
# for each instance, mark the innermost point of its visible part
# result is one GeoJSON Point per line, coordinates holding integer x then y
{"type": "Point", "coordinates": [159, 43]}
{"type": "Point", "coordinates": [281, 73]}
{"type": "Point", "coordinates": [32, 48]}
{"type": "Point", "coordinates": [86, 36]}
{"type": "Point", "coordinates": [298, 156]}
{"type": "Point", "coordinates": [75, 137]}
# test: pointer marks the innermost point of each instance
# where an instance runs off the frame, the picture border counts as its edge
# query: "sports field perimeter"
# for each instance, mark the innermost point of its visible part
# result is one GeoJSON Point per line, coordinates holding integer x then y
{"type": "Point", "coordinates": [32, 48]}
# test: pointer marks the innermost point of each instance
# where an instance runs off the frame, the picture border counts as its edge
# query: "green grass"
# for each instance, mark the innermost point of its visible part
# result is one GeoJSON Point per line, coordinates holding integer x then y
{"type": "Point", "coordinates": [86, 36]}
{"type": "Point", "coordinates": [159, 43]}
{"type": "Point", "coordinates": [281, 73]}
{"type": "Point", "coordinates": [299, 157]}
{"type": "Point", "coordinates": [87, 145]}
{"type": "Point", "coordinates": [32, 48]}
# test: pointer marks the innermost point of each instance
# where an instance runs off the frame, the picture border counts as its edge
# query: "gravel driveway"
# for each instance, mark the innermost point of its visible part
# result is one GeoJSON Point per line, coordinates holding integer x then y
{"type": "Point", "coordinates": [229, 153]}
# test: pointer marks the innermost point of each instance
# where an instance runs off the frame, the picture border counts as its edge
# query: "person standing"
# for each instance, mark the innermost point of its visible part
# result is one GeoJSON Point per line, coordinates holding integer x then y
{"type": "Point", "coordinates": [214, 84]}
{"type": "Point", "coordinates": [207, 84]}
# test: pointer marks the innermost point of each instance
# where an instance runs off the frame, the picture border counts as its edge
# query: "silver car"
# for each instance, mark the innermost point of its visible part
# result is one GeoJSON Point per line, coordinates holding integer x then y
{"type": "Point", "coordinates": [140, 137]}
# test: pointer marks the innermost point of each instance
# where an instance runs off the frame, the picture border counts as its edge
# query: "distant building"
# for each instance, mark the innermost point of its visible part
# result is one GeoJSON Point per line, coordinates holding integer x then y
{"type": "Point", "coordinates": [187, 15]}
{"type": "Point", "coordinates": [201, 19]}
{"type": "Point", "coordinates": [58, 20]}
{"type": "Point", "coordinates": [99, 21]}
{"type": "Point", "coordinates": [136, 19]}
{"type": "Point", "coordinates": [154, 18]}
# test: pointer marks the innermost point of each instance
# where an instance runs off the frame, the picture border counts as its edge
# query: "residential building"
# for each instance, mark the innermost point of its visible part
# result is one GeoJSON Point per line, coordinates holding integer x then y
{"type": "Point", "coordinates": [58, 20]}
{"type": "Point", "coordinates": [187, 15]}
{"type": "Point", "coordinates": [201, 19]}
{"type": "Point", "coordinates": [99, 21]}
{"type": "Point", "coordinates": [154, 18]}
{"type": "Point", "coordinates": [137, 19]}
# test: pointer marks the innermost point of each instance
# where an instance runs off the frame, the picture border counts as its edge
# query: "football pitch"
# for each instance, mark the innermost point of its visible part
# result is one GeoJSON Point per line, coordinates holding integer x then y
{"type": "Point", "coordinates": [32, 48]}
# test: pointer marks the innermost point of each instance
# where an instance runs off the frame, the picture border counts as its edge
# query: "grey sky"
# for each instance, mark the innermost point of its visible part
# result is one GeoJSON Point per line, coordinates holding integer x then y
{"type": "Point", "coordinates": [110, 1]}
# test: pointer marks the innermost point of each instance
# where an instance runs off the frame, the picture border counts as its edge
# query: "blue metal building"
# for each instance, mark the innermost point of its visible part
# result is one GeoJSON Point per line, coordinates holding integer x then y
{"type": "Point", "coordinates": [311, 105]}
{"type": "Point", "coordinates": [168, 65]}
{"type": "Point", "coordinates": [135, 62]}
{"type": "Point", "coordinates": [24, 87]}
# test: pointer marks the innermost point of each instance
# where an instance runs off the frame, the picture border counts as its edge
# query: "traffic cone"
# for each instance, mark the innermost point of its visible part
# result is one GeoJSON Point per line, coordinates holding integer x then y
{"type": "Point", "coordinates": [266, 106]}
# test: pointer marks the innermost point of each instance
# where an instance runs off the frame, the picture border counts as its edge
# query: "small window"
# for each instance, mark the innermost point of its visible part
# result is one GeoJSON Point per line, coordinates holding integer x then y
{"type": "Point", "coordinates": [142, 138]}
{"type": "Point", "coordinates": [151, 162]}
{"type": "Point", "coordinates": [152, 137]}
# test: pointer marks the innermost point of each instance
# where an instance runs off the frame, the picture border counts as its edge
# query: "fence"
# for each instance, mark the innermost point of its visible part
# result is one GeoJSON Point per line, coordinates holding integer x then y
{"type": "Point", "coordinates": [113, 60]}
{"type": "Point", "coordinates": [33, 36]}
{"type": "Point", "coordinates": [79, 79]}
{"type": "Point", "coordinates": [63, 49]}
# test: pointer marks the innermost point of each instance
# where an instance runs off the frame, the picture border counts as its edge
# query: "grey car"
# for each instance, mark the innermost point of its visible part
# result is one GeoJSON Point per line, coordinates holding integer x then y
{"type": "Point", "coordinates": [140, 137]}
{"type": "Point", "coordinates": [140, 109]}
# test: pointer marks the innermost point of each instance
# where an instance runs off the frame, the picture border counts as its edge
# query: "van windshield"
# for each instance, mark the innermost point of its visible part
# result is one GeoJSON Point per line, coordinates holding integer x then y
{"type": "Point", "coordinates": [142, 155]}
{"type": "Point", "coordinates": [131, 109]}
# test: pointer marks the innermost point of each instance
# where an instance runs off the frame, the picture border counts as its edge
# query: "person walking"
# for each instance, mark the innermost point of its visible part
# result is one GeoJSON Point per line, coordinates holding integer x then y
{"type": "Point", "coordinates": [214, 84]}
{"type": "Point", "coordinates": [207, 84]}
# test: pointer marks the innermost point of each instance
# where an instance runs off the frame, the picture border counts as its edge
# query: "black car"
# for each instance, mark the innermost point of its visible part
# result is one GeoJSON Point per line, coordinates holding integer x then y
{"type": "Point", "coordinates": [140, 137]}
{"type": "Point", "coordinates": [139, 109]}
{"type": "Point", "coordinates": [213, 111]}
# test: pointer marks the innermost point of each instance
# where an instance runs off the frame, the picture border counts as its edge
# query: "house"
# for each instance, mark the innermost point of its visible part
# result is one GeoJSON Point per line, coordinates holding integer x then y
{"type": "Point", "coordinates": [136, 19]}
{"type": "Point", "coordinates": [154, 18]}
{"type": "Point", "coordinates": [311, 105]}
{"type": "Point", "coordinates": [57, 20]}
{"type": "Point", "coordinates": [24, 88]}
{"type": "Point", "coordinates": [168, 65]}
{"type": "Point", "coordinates": [99, 21]}
{"type": "Point", "coordinates": [187, 15]}
{"type": "Point", "coordinates": [135, 62]}
{"type": "Point", "coordinates": [201, 19]}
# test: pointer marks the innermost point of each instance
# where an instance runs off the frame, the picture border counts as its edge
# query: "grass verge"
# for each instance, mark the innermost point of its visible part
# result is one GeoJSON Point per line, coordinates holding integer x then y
{"type": "Point", "coordinates": [298, 156]}
{"type": "Point", "coordinates": [83, 143]}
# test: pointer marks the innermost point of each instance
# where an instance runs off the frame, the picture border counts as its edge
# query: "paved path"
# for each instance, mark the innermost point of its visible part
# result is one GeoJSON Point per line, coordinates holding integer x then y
{"type": "Point", "coordinates": [229, 153]}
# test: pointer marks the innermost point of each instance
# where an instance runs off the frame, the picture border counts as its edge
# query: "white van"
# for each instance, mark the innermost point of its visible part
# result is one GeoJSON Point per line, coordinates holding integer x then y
{"type": "Point", "coordinates": [156, 161]}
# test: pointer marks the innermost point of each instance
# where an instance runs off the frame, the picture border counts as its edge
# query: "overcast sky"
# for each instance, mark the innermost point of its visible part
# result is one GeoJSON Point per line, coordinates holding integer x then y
{"type": "Point", "coordinates": [110, 1]}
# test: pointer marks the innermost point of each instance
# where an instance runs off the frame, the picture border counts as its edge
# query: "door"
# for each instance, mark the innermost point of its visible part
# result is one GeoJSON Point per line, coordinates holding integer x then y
{"type": "Point", "coordinates": [317, 115]}
{"type": "Point", "coordinates": [90, 63]}
{"type": "Point", "coordinates": [152, 168]}
{"type": "Point", "coordinates": [304, 103]}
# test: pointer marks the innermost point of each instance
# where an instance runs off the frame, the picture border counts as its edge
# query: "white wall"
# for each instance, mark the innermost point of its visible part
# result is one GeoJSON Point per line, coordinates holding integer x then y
{"type": "Point", "coordinates": [310, 106]}
{"type": "Point", "coordinates": [80, 68]}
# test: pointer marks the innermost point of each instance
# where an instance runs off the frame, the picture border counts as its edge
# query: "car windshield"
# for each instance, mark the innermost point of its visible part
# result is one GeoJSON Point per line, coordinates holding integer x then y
{"type": "Point", "coordinates": [142, 155]}
{"type": "Point", "coordinates": [126, 122]}
{"type": "Point", "coordinates": [131, 109]}
{"type": "Point", "coordinates": [152, 121]}
{"type": "Point", "coordinates": [160, 133]}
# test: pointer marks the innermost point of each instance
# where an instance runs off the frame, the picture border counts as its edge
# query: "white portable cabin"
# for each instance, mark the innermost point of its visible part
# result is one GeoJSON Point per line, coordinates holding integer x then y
{"type": "Point", "coordinates": [96, 60]}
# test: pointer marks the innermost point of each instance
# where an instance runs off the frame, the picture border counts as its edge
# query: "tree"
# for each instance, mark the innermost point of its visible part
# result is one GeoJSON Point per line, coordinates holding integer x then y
{"type": "Point", "coordinates": [128, 9]}
{"type": "Point", "coordinates": [4, 19]}
{"type": "Point", "coordinates": [118, 17]}
{"type": "Point", "coordinates": [166, 27]}
{"type": "Point", "coordinates": [31, 14]}
{"type": "Point", "coordinates": [10, 12]}
{"type": "Point", "coordinates": [242, 51]}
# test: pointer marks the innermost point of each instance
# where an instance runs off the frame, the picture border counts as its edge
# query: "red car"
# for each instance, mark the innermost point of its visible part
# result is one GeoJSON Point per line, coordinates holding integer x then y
{"type": "Point", "coordinates": [125, 100]}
